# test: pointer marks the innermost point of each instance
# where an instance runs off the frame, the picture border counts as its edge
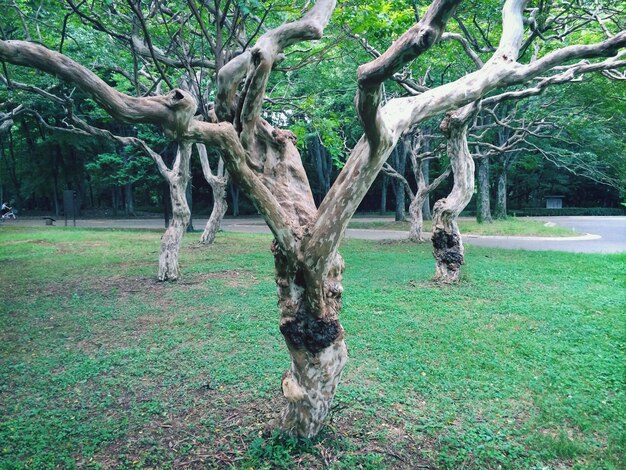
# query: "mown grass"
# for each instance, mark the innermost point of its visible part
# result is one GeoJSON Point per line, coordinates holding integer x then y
{"type": "Point", "coordinates": [518, 366]}
{"type": "Point", "coordinates": [511, 226]}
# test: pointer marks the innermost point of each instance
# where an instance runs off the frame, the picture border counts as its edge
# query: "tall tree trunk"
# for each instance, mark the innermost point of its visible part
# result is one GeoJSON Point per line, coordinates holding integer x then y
{"type": "Point", "coordinates": [220, 206]}
{"type": "Point", "coordinates": [178, 178]}
{"type": "Point", "coordinates": [164, 201]}
{"type": "Point", "coordinates": [501, 190]}
{"type": "Point", "coordinates": [383, 194]}
{"type": "Point", "coordinates": [315, 154]}
{"type": "Point", "coordinates": [447, 245]}
{"type": "Point", "coordinates": [426, 214]}
{"type": "Point", "coordinates": [114, 195]}
{"type": "Point", "coordinates": [234, 195]}
{"type": "Point", "coordinates": [129, 199]}
{"type": "Point", "coordinates": [399, 156]}
{"type": "Point", "coordinates": [189, 196]}
{"type": "Point", "coordinates": [483, 206]}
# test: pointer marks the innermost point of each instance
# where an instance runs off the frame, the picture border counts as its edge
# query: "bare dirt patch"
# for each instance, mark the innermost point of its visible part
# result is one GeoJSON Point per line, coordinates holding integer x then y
{"type": "Point", "coordinates": [224, 428]}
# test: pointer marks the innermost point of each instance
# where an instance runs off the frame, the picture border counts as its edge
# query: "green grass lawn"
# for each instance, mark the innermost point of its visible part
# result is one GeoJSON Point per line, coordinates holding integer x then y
{"type": "Point", "coordinates": [510, 227]}
{"type": "Point", "coordinates": [518, 366]}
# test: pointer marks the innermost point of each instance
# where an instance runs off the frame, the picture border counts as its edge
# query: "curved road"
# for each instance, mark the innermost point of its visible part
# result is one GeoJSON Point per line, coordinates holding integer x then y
{"type": "Point", "coordinates": [595, 234]}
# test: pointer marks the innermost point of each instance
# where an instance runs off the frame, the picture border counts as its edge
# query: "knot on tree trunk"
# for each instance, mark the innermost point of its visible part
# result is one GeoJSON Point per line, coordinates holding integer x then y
{"type": "Point", "coordinates": [291, 389]}
{"type": "Point", "coordinates": [425, 38]}
{"type": "Point", "coordinates": [184, 106]}
{"type": "Point", "coordinates": [282, 137]}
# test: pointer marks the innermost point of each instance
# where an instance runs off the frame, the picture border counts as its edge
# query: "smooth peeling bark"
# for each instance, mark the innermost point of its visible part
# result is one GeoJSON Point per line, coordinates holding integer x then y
{"type": "Point", "coordinates": [447, 244]}
{"type": "Point", "coordinates": [419, 201]}
{"type": "Point", "coordinates": [310, 244]}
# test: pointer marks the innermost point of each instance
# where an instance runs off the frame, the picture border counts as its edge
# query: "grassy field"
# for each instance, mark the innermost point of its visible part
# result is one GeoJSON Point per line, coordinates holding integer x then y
{"type": "Point", "coordinates": [518, 366]}
{"type": "Point", "coordinates": [511, 226]}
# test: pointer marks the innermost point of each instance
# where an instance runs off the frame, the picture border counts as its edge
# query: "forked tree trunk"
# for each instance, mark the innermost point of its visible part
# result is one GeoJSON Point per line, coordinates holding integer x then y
{"type": "Point", "coordinates": [447, 244]}
{"type": "Point", "coordinates": [220, 206]}
{"type": "Point", "coordinates": [219, 184]}
{"type": "Point", "coordinates": [483, 206]}
{"type": "Point", "coordinates": [178, 178]}
{"type": "Point", "coordinates": [500, 212]}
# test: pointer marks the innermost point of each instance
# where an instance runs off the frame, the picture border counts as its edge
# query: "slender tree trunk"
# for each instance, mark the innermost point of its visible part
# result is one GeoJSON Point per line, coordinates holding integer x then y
{"type": "Point", "coordinates": [164, 201]}
{"type": "Point", "coordinates": [315, 154]}
{"type": "Point", "coordinates": [178, 179]}
{"type": "Point", "coordinates": [114, 199]}
{"type": "Point", "coordinates": [189, 196]}
{"type": "Point", "coordinates": [399, 163]}
{"type": "Point", "coordinates": [383, 194]}
{"type": "Point", "coordinates": [129, 199]}
{"type": "Point", "coordinates": [447, 245]}
{"type": "Point", "coordinates": [500, 212]}
{"type": "Point", "coordinates": [234, 195]}
{"type": "Point", "coordinates": [483, 206]}
{"type": "Point", "coordinates": [426, 214]}
{"type": "Point", "coordinates": [220, 206]}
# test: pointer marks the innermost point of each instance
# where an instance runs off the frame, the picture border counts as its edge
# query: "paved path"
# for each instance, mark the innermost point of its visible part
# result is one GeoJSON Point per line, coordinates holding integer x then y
{"type": "Point", "coordinates": [595, 234]}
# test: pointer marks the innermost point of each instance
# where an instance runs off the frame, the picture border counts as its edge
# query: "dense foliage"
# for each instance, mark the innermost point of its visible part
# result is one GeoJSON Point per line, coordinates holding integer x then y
{"type": "Point", "coordinates": [141, 49]}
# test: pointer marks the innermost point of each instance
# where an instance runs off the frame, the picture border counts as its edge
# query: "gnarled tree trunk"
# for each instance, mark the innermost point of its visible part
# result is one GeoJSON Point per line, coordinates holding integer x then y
{"type": "Point", "coordinates": [447, 244]}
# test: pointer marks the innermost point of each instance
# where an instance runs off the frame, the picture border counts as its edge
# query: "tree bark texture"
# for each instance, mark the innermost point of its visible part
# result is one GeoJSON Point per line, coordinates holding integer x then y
{"type": "Point", "coordinates": [447, 244]}
{"type": "Point", "coordinates": [483, 205]}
